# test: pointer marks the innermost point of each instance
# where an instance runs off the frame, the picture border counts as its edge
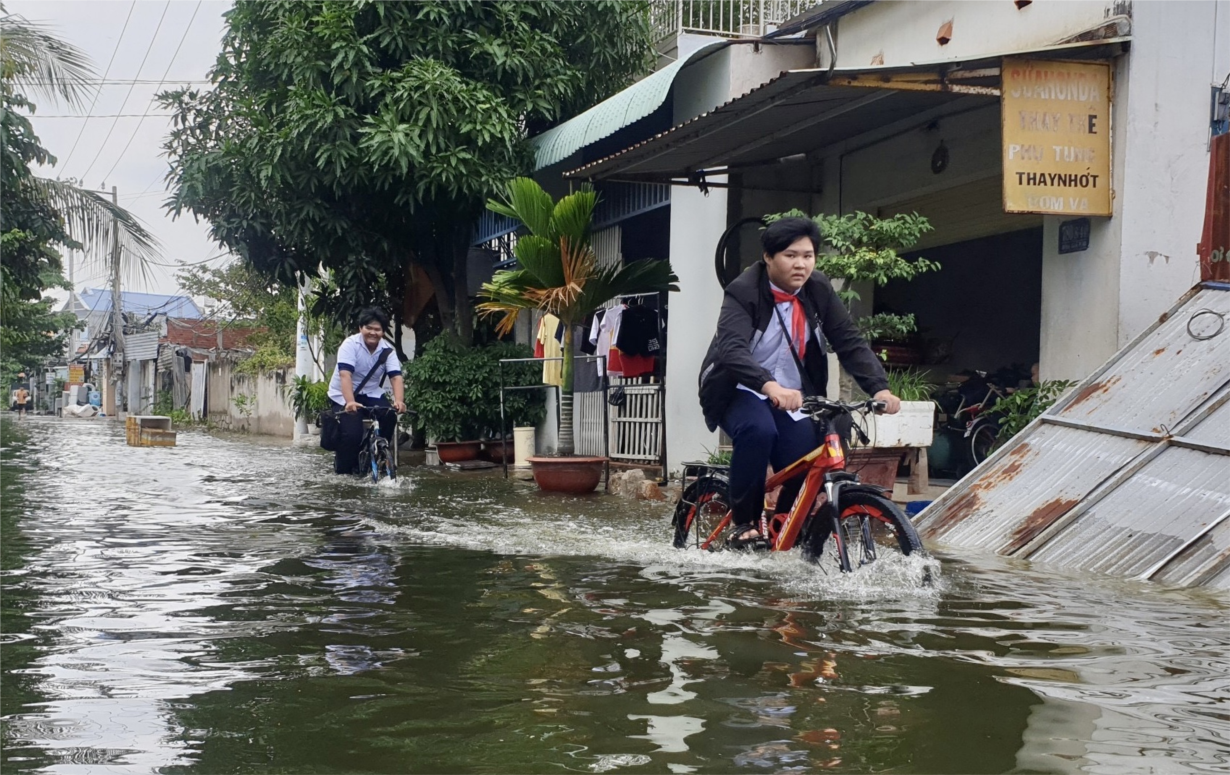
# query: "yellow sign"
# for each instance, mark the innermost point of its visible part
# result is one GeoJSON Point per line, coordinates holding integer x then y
{"type": "Point", "coordinates": [76, 374]}
{"type": "Point", "coordinates": [1056, 137]}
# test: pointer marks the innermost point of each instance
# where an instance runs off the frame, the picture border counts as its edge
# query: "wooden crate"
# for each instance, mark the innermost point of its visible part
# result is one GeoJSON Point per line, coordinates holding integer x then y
{"type": "Point", "coordinates": [149, 431]}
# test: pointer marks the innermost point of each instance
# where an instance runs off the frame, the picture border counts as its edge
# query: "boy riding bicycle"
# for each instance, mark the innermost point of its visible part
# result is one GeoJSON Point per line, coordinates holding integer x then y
{"type": "Point", "coordinates": [364, 360]}
{"type": "Point", "coordinates": [768, 349]}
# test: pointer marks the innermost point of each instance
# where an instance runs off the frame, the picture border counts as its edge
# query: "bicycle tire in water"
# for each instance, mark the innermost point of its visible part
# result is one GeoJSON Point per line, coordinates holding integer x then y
{"type": "Point", "coordinates": [704, 504]}
{"type": "Point", "coordinates": [871, 525]}
{"type": "Point", "coordinates": [384, 460]}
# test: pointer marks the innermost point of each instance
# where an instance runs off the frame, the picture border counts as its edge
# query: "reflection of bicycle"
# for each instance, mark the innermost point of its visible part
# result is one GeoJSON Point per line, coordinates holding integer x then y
{"type": "Point", "coordinates": [832, 506]}
{"type": "Point", "coordinates": [377, 458]}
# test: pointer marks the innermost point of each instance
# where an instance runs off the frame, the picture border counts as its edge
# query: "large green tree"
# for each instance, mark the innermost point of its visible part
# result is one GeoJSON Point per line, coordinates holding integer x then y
{"type": "Point", "coordinates": [365, 136]}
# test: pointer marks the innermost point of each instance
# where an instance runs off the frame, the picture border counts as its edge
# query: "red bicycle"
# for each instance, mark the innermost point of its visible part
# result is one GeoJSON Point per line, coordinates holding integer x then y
{"type": "Point", "coordinates": [832, 506]}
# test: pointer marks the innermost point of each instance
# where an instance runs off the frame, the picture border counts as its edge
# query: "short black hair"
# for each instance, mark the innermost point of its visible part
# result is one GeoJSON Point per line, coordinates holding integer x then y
{"type": "Point", "coordinates": [782, 234]}
{"type": "Point", "coordinates": [374, 314]}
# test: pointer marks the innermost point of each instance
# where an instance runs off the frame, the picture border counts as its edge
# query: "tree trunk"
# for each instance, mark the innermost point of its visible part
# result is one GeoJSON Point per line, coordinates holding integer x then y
{"type": "Point", "coordinates": [443, 297]}
{"type": "Point", "coordinates": [567, 445]}
{"type": "Point", "coordinates": [464, 312]}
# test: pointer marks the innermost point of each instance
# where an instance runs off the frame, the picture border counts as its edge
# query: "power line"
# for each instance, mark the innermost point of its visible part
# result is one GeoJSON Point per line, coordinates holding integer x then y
{"type": "Point", "coordinates": [106, 72]}
{"type": "Point", "coordinates": [165, 73]}
{"type": "Point", "coordinates": [148, 48]}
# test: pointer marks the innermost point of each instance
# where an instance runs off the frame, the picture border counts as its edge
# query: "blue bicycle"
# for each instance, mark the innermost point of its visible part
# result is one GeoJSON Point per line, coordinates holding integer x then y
{"type": "Point", "coordinates": [377, 458]}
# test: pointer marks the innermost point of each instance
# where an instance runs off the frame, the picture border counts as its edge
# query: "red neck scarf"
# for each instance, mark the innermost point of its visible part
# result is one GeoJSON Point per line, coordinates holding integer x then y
{"type": "Point", "coordinates": [798, 318]}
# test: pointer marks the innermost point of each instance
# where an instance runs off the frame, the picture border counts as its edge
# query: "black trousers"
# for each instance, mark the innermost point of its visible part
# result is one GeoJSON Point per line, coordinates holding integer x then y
{"type": "Point", "coordinates": [762, 434]}
{"type": "Point", "coordinates": [350, 433]}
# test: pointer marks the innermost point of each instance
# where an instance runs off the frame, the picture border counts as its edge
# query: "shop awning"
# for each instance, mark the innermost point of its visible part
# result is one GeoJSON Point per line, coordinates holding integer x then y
{"type": "Point", "coordinates": [805, 110]}
{"type": "Point", "coordinates": [609, 116]}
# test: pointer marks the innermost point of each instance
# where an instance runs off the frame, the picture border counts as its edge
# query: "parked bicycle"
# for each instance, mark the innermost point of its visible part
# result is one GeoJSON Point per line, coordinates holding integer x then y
{"type": "Point", "coordinates": [833, 508]}
{"type": "Point", "coordinates": [377, 458]}
{"type": "Point", "coordinates": [966, 415]}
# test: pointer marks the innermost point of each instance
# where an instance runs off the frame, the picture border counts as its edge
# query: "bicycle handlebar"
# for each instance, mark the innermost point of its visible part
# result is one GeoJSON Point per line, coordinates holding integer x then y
{"type": "Point", "coordinates": [819, 405]}
{"type": "Point", "coordinates": [373, 411]}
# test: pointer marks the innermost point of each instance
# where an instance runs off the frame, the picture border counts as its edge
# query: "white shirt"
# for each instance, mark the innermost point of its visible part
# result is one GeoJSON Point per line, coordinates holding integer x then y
{"type": "Point", "coordinates": [772, 351]}
{"type": "Point", "coordinates": [605, 332]}
{"type": "Point", "coordinates": [353, 356]}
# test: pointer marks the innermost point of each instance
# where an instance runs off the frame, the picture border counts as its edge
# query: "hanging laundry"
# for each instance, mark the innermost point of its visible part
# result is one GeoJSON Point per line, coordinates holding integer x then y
{"type": "Point", "coordinates": [585, 377]}
{"type": "Point", "coordinates": [639, 332]}
{"type": "Point", "coordinates": [602, 334]}
{"type": "Point", "coordinates": [547, 346]}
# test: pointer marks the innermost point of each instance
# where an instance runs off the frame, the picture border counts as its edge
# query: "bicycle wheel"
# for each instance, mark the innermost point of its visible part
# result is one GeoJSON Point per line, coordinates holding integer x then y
{"type": "Point", "coordinates": [871, 527]}
{"type": "Point", "coordinates": [982, 441]}
{"type": "Point", "coordinates": [702, 508]}
{"type": "Point", "coordinates": [384, 460]}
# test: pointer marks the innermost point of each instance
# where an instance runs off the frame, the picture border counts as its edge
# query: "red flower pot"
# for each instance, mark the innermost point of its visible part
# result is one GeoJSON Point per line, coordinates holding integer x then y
{"type": "Point", "coordinates": [875, 466]}
{"type": "Point", "coordinates": [458, 451]}
{"type": "Point", "coordinates": [576, 475]}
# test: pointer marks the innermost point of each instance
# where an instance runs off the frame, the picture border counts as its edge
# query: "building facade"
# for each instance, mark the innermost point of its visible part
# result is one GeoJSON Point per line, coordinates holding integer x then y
{"type": "Point", "coordinates": [890, 107]}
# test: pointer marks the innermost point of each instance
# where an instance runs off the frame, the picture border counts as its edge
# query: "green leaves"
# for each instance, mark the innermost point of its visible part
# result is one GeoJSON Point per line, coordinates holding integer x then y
{"type": "Point", "coordinates": [1021, 407]}
{"type": "Point", "coordinates": [368, 135]}
{"type": "Point", "coordinates": [526, 201]}
{"type": "Point", "coordinates": [454, 391]}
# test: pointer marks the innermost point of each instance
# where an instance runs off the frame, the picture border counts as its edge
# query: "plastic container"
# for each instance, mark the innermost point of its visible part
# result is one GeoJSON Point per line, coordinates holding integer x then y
{"type": "Point", "coordinates": [523, 445]}
{"type": "Point", "coordinates": [913, 508]}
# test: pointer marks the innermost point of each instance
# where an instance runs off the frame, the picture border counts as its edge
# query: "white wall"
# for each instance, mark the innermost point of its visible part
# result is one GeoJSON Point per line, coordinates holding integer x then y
{"type": "Point", "coordinates": [271, 414]}
{"type": "Point", "coordinates": [1166, 161]}
{"type": "Point", "coordinates": [697, 221]}
{"type": "Point", "coordinates": [1143, 258]}
{"type": "Point", "coordinates": [904, 31]}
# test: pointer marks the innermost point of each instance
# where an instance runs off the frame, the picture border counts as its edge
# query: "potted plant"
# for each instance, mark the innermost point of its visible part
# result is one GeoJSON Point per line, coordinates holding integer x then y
{"type": "Point", "coordinates": [557, 273]}
{"type": "Point", "coordinates": [447, 389]}
{"type": "Point", "coordinates": [309, 399]}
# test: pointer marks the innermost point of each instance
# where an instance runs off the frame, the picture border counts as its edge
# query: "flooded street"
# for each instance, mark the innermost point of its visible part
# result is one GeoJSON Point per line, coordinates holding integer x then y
{"type": "Point", "coordinates": [230, 605]}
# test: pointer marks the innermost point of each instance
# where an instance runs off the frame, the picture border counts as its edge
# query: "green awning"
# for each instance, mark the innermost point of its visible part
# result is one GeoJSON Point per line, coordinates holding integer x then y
{"type": "Point", "coordinates": [607, 117]}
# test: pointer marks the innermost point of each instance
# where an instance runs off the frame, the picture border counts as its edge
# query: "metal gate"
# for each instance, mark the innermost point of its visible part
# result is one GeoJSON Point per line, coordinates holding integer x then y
{"type": "Point", "coordinates": [637, 427]}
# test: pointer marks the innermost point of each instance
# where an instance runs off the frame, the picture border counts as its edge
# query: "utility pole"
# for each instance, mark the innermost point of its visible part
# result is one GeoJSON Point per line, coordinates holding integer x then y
{"type": "Point", "coordinates": [117, 316]}
{"type": "Point", "coordinates": [303, 352]}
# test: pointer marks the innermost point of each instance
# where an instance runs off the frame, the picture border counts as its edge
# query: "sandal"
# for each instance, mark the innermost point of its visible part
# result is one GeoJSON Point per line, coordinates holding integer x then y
{"type": "Point", "coordinates": [745, 538]}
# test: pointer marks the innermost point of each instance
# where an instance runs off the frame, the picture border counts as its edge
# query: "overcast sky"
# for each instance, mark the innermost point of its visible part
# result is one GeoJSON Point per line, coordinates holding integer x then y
{"type": "Point", "coordinates": [175, 39]}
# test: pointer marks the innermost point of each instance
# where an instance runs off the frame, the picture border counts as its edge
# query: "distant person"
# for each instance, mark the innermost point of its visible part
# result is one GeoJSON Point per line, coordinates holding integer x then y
{"type": "Point", "coordinates": [364, 359]}
{"type": "Point", "coordinates": [21, 397]}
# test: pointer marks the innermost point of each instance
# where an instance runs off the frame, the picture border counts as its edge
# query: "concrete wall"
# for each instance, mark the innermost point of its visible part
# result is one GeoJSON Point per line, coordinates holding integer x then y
{"type": "Point", "coordinates": [1143, 258]}
{"type": "Point", "coordinates": [904, 31]}
{"type": "Point", "coordinates": [697, 221]}
{"type": "Point", "coordinates": [1166, 158]}
{"type": "Point", "coordinates": [267, 395]}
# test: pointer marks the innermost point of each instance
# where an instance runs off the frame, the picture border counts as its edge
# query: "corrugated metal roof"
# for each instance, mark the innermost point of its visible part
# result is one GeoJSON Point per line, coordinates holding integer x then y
{"type": "Point", "coordinates": [612, 114]}
{"type": "Point", "coordinates": [1127, 475]}
{"type": "Point", "coordinates": [737, 133]}
{"type": "Point", "coordinates": [1147, 519]}
{"type": "Point", "coordinates": [1003, 510]}
{"type": "Point", "coordinates": [141, 347]}
{"type": "Point", "coordinates": [798, 112]}
{"type": "Point", "coordinates": [99, 300]}
{"type": "Point", "coordinates": [1155, 385]}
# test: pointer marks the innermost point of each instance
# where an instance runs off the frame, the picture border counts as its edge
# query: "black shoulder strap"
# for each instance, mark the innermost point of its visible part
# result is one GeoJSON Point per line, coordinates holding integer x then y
{"type": "Point", "coordinates": [807, 385]}
{"type": "Point", "coordinates": [383, 355]}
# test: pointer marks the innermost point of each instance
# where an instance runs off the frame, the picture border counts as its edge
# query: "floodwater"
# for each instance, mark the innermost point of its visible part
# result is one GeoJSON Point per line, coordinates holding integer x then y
{"type": "Point", "coordinates": [230, 605]}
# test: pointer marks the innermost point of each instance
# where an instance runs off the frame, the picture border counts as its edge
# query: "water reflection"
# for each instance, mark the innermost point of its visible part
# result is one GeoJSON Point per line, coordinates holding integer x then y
{"type": "Point", "coordinates": [228, 606]}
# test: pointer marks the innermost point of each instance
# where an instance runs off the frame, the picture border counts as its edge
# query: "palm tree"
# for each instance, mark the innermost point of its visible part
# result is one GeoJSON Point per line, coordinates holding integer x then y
{"type": "Point", "coordinates": [35, 62]}
{"type": "Point", "coordinates": [559, 273]}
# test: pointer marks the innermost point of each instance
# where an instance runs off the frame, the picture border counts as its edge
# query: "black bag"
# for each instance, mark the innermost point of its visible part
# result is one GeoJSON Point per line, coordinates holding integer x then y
{"type": "Point", "coordinates": [330, 422]}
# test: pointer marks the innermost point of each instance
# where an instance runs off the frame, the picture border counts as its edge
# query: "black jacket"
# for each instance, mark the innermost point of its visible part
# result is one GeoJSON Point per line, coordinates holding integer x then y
{"type": "Point", "coordinates": [746, 313]}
